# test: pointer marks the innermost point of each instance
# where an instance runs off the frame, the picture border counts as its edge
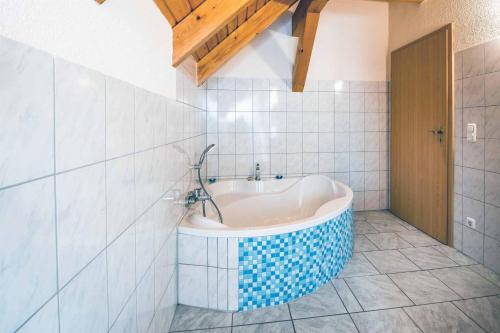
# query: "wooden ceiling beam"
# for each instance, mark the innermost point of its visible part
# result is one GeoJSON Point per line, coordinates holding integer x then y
{"type": "Point", "coordinates": [403, 1]}
{"type": "Point", "coordinates": [304, 25]}
{"type": "Point", "coordinates": [162, 6]}
{"type": "Point", "coordinates": [100, 2]}
{"type": "Point", "coordinates": [203, 23]}
{"type": "Point", "coordinates": [237, 40]}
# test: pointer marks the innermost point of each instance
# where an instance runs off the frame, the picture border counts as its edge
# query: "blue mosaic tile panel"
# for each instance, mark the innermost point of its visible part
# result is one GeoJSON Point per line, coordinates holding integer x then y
{"type": "Point", "coordinates": [280, 268]}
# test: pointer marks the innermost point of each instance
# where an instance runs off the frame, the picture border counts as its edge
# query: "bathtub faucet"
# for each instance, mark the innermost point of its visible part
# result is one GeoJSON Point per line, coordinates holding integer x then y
{"type": "Point", "coordinates": [201, 194]}
{"type": "Point", "coordinates": [196, 195]}
{"type": "Point", "coordinates": [257, 172]}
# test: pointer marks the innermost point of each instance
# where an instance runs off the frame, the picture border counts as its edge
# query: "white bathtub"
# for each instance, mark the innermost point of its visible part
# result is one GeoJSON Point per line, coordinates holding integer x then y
{"type": "Point", "coordinates": [269, 207]}
{"type": "Point", "coordinates": [281, 240]}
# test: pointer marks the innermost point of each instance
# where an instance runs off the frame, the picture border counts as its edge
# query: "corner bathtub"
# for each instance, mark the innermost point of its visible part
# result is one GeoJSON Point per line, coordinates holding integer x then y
{"type": "Point", "coordinates": [281, 239]}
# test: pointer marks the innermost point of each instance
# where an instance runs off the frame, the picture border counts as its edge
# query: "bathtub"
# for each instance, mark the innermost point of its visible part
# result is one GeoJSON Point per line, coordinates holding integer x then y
{"type": "Point", "coordinates": [281, 239]}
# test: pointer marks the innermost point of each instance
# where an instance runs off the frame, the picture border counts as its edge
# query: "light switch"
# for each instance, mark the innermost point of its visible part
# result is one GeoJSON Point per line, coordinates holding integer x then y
{"type": "Point", "coordinates": [471, 132]}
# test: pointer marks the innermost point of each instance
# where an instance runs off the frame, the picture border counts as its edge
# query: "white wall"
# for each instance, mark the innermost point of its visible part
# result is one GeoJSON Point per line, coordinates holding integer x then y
{"type": "Point", "coordinates": [126, 39]}
{"type": "Point", "coordinates": [351, 44]}
{"type": "Point", "coordinates": [475, 22]}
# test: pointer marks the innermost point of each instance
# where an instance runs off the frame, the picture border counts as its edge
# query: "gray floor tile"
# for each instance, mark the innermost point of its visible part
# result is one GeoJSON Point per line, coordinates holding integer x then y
{"type": "Point", "coordinates": [378, 215]}
{"type": "Point", "coordinates": [465, 282]}
{"type": "Point", "coordinates": [387, 226]}
{"type": "Point", "coordinates": [428, 258]}
{"type": "Point", "coordinates": [279, 327]}
{"type": "Point", "coordinates": [407, 225]}
{"type": "Point", "coordinates": [388, 241]}
{"type": "Point", "coordinates": [361, 243]}
{"type": "Point", "coordinates": [211, 330]}
{"type": "Point", "coordinates": [190, 318]}
{"type": "Point", "coordinates": [330, 324]}
{"type": "Point", "coordinates": [377, 292]}
{"type": "Point", "coordinates": [346, 295]}
{"type": "Point", "coordinates": [264, 315]}
{"type": "Point", "coordinates": [454, 255]}
{"type": "Point", "coordinates": [423, 288]}
{"type": "Point", "coordinates": [384, 321]}
{"type": "Point", "coordinates": [362, 228]}
{"type": "Point", "coordinates": [486, 273]}
{"type": "Point", "coordinates": [418, 238]}
{"type": "Point", "coordinates": [358, 266]}
{"type": "Point", "coordinates": [441, 318]}
{"type": "Point", "coordinates": [323, 302]}
{"type": "Point", "coordinates": [484, 311]}
{"type": "Point", "coordinates": [357, 217]}
{"type": "Point", "coordinates": [390, 261]}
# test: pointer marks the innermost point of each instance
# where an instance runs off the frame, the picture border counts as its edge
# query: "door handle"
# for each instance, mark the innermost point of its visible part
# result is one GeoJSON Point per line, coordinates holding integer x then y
{"type": "Point", "coordinates": [439, 132]}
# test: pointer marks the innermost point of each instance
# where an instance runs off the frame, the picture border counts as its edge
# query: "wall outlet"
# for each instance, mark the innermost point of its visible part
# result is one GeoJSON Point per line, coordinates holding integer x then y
{"type": "Point", "coordinates": [471, 223]}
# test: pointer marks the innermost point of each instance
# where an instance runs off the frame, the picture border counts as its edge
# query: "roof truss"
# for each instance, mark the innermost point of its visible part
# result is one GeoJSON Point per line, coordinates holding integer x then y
{"type": "Point", "coordinates": [208, 33]}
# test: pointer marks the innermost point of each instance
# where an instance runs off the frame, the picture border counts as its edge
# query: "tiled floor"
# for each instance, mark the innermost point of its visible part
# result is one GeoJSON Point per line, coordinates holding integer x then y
{"type": "Point", "coordinates": [399, 280]}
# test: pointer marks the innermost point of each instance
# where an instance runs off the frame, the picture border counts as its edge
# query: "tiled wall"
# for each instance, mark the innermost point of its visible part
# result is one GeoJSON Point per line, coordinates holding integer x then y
{"type": "Point", "coordinates": [208, 272]}
{"type": "Point", "coordinates": [477, 164]}
{"type": "Point", "coordinates": [336, 128]}
{"type": "Point", "coordinates": [87, 242]}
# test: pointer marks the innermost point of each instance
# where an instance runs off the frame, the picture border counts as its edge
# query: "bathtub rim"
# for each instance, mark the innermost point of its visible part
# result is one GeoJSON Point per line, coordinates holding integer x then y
{"type": "Point", "coordinates": [338, 206]}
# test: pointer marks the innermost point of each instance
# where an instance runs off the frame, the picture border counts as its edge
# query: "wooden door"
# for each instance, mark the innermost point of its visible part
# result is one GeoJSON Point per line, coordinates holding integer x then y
{"type": "Point", "coordinates": [422, 158]}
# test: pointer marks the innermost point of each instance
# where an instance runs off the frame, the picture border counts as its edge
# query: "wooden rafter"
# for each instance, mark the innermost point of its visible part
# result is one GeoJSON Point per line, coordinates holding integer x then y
{"type": "Point", "coordinates": [245, 33]}
{"type": "Point", "coordinates": [208, 33]}
{"type": "Point", "coordinates": [404, 1]}
{"type": "Point", "coordinates": [100, 2]}
{"type": "Point", "coordinates": [203, 23]}
{"type": "Point", "coordinates": [304, 25]}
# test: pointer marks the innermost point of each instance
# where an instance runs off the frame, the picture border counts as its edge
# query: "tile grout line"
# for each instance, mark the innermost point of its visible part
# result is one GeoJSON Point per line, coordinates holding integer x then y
{"type": "Point", "coordinates": [55, 192]}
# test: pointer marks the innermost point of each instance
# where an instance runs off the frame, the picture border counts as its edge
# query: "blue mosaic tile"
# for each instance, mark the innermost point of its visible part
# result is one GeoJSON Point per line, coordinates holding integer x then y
{"type": "Point", "coordinates": [280, 268]}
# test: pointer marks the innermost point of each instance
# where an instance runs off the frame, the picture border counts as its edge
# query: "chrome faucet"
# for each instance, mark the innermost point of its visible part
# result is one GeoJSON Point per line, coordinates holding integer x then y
{"type": "Point", "coordinates": [257, 172]}
{"type": "Point", "coordinates": [201, 194]}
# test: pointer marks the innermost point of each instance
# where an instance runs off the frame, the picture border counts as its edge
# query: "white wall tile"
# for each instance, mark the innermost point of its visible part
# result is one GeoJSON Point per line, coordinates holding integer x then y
{"type": "Point", "coordinates": [492, 188]}
{"type": "Point", "coordinates": [222, 252]}
{"type": "Point", "coordinates": [232, 253]}
{"type": "Point", "coordinates": [212, 286]}
{"type": "Point", "coordinates": [121, 272]}
{"type": "Point", "coordinates": [144, 243]}
{"type": "Point", "coordinates": [27, 235]}
{"type": "Point", "coordinates": [193, 285]}
{"type": "Point", "coordinates": [474, 209]}
{"type": "Point", "coordinates": [27, 119]}
{"type": "Point", "coordinates": [222, 289]}
{"type": "Point", "coordinates": [473, 92]}
{"type": "Point", "coordinates": [260, 101]}
{"type": "Point", "coordinates": [244, 165]}
{"type": "Point", "coordinates": [473, 183]}
{"type": "Point", "coordinates": [491, 250]}
{"type": "Point", "coordinates": [492, 88]}
{"type": "Point", "coordinates": [472, 243]}
{"type": "Point", "coordinates": [79, 116]}
{"type": "Point", "coordinates": [232, 289]}
{"type": "Point", "coordinates": [192, 250]}
{"type": "Point", "coordinates": [45, 320]}
{"type": "Point", "coordinates": [119, 118]}
{"type": "Point", "coordinates": [244, 100]}
{"type": "Point", "coordinates": [82, 303]}
{"type": "Point", "coordinates": [120, 195]}
{"type": "Point", "coordinates": [145, 301]}
{"type": "Point", "coordinates": [278, 164]}
{"type": "Point", "coordinates": [127, 321]}
{"type": "Point", "coordinates": [294, 163]}
{"type": "Point", "coordinates": [492, 219]}
{"type": "Point", "coordinates": [81, 218]}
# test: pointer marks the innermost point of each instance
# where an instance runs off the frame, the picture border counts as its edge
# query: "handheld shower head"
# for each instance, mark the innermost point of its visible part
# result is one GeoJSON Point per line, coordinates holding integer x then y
{"type": "Point", "coordinates": [204, 153]}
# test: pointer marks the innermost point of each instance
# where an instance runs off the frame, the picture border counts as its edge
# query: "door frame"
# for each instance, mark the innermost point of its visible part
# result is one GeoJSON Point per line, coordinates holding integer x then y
{"type": "Point", "coordinates": [450, 114]}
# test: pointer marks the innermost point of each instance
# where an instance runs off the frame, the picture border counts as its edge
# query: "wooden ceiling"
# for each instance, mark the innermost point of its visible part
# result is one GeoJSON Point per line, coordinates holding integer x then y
{"type": "Point", "coordinates": [207, 33]}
